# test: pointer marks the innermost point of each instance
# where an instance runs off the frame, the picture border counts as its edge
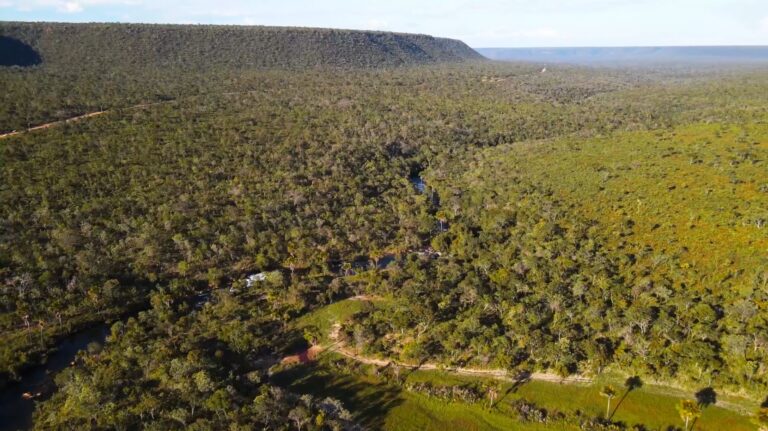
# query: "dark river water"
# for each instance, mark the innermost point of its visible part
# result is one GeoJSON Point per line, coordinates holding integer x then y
{"type": "Point", "coordinates": [418, 183]}
{"type": "Point", "coordinates": [15, 411]}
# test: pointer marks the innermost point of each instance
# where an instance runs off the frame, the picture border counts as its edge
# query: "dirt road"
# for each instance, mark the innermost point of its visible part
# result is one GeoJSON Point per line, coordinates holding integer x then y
{"type": "Point", "coordinates": [77, 118]}
{"type": "Point", "coordinates": [499, 374]}
{"type": "Point", "coordinates": [53, 123]}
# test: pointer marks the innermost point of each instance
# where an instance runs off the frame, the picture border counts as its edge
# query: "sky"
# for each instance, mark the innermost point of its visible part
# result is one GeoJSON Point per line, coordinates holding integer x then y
{"type": "Point", "coordinates": [488, 23]}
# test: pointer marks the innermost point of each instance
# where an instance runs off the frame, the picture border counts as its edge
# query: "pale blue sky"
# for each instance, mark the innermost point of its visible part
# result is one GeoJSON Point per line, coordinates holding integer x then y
{"type": "Point", "coordinates": [489, 23]}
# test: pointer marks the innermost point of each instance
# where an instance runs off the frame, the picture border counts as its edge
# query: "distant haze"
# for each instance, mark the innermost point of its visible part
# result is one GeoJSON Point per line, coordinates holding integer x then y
{"type": "Point", "coordinates": [607, 55]}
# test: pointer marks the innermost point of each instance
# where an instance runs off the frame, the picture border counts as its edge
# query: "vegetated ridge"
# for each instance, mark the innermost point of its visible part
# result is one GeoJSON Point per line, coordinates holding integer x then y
{"type": "Point", "coordinates": [208, 46]}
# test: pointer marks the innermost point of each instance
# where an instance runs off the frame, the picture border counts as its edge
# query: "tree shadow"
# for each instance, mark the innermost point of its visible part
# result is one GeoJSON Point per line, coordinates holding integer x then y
{"type": "Point", "coordinates": [706, 397]}
{"type": "Point", "coordinates": [631, 384]}
{"type": "Point", "coordinates": [369, 401]}
{"type": "Point", "coordinates": [520, 379]}
{"type": "Point", "coordinates": [764, 404]}
{"type": "Point", "coordinates": [412, 369]}
{"type": "Point", "coordinates": [14, 52]}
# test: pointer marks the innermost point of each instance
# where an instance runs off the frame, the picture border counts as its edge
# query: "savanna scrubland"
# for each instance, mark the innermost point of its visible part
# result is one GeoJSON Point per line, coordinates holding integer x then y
{"type": "Point", "coordinates": [605, 224]}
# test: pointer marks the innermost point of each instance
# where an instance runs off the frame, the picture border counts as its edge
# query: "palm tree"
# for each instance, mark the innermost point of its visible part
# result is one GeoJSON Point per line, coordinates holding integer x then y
{"type": "Point", "coordinates": [609, 392]}
{"type": "Point", "coordinates": [688, 410]}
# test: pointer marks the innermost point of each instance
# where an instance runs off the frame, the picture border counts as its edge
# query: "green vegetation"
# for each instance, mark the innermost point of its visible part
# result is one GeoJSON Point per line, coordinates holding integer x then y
{"type": "Point", "coordinates": [680, 214]}
{"type": "Point", "coordinates": [119, 65]}
{"type": "Point", "coordinates": [322, 320]}
{"type": "Point", "coordinates": [226, 47]}
{"type": "Point", "coordinates": [174, 368]}
{"type": "Point", "coordinates": [637, 402]}
{"type": "Point", "coordinates": [381, 403]}
{"type": "Point", "coordinates": [143, 196]}
{"type": "Point", "coordinates": [608, 392]}
{"type": "Point", "coordinates": [761, 418]}
{"type": "Point", "coordinates": [603, 223]}
{"type": "Point", "coordinates": [682, 191]}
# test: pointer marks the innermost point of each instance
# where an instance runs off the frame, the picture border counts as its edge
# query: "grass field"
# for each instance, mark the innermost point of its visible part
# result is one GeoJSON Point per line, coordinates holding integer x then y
{"type": "Point", "coordinates": [641, 406]}
{"type": "Point", "coordinates": [652, 406]}
{"type": "Point", "coordinates": [324, 318]}
{"type": "Point", "coordinates": [381, 405]}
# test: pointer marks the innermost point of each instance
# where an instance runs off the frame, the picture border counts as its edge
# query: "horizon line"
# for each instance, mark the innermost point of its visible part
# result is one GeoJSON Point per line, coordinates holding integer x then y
{"type": "Point", "coordinates": [618, 46]}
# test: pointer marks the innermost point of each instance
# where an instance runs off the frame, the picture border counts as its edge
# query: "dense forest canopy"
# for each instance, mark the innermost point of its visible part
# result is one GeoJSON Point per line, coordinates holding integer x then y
{"type": "Point", "coordinates": [141, 46]}
{"type": "Point", "coordinates": [573, 221]}
{"type": "Point", "coordinates": [95, 66]}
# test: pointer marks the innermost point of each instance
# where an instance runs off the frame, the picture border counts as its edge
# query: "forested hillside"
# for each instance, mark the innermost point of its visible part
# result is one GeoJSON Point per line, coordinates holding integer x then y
{"type": "Point", "coordinates": [122, 65]}
{"type": "Point", "coordinates": [141, 46]}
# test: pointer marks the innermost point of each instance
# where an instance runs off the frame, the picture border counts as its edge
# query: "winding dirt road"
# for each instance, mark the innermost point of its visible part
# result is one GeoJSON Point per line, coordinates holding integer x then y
{"type": "Point", "coordinates": [498, 374]}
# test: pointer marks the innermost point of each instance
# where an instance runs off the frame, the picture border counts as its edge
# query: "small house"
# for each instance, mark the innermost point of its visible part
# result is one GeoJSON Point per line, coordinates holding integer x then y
{"type": "Point", "coordinates": [253, 278]}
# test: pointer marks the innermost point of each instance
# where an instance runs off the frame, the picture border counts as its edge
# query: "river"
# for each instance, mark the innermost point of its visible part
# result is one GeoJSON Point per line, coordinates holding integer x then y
{"type": "Point", "coordinates": [15, 409]}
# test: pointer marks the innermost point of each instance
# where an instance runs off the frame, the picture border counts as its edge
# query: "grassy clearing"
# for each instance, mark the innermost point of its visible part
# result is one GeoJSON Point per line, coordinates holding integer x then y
{"type": "Point", "coordinates": [648, 405]}
{"type": "Point", "coordinates": [324, 318]}
{"type": "Point", "coordinates": [640, 406]}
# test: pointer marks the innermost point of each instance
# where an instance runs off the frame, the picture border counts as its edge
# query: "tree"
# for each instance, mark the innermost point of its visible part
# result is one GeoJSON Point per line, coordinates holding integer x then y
{"type": "Point", "coordinates": [609, 392]}
{"type": "Point", "coordinates": [688, 410]}
{"type": "Point", "coordinates": [312, 334]}
{"type": "Point", "coordinates": [493, 393]}
{"type": "Point", "coordinates": [219, 402]}
{"type": "Point", "coordinates": [41, 326]}
{"type": "Point", "coordinates": [300, 416]}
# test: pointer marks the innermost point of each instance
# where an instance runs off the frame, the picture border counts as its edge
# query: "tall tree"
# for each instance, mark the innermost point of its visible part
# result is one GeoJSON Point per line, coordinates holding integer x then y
{"type": "Point", "coordinates": [609, 392]}
{"type": "Point", "coordinates": [688, 410]}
